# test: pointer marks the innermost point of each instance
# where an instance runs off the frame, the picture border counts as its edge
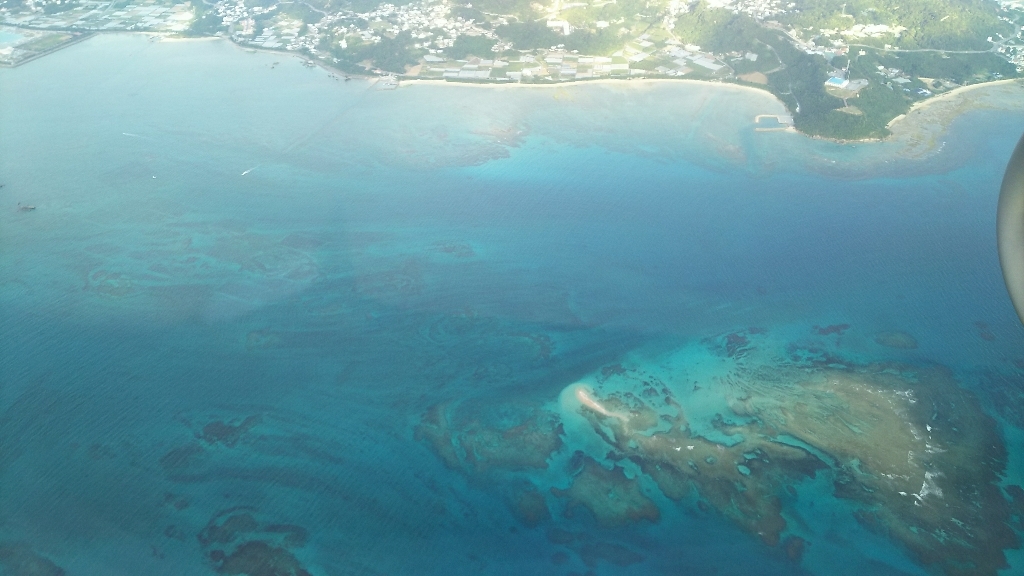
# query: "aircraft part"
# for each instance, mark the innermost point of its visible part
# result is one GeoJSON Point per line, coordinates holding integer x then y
{"type": "Point", "coordinates": [1010, 228]}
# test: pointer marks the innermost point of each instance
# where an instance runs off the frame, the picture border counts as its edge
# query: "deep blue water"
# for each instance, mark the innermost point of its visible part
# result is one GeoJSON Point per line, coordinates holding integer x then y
{"type": "Point", "coordinates": [382, 257]}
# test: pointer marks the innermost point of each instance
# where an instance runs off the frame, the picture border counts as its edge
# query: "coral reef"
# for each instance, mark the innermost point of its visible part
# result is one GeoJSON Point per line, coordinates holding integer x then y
{"type": "Point", "coordinates": [837, 329]}
{"type": "Point", "coordinates": [258, 558]}
{"type": "Point", "coordinates": [237, 543]}
{"type": "Point", "coordinates": [1005, 390]}
{"type": "Point", "coordinates": [524, 442]}
{"type": "Point", "coordinates": [109, 283]}
{"type": "Point", "coordinates": [528, 505]}
{"type": "Point", "coordinates": [911, 450]}
{"type": "Point", "coordinates": [227, 434]}
{"type": "Point", "coordinates": [794, 547]}
{"type": "Point", "coordinates": [907, 443]}
{"type": "Point", "coordinates": [896, 339]}
{"type": "Point", "coordinates": [609, 495]}
{"type": "Point", "coordinates": [742, 481]}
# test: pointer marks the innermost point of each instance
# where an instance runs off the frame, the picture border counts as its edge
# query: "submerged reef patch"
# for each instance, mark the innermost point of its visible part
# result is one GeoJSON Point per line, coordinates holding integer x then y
{"type": "Point", "coordinates": [466, 441]}
{"type": "Point", "coordinates": [109, 283]}
{"type": "Point", "coordinates": [743, 478]}
{"type": "Point", "coordinates": [984, 332]}
{"type": "Point", "coordinates": [528, 505]}
{"type": "Point", "coordinates": [837, 329]}
{"type": "Point", "coordinates": [911, 451]}
{"type": "Point", "coordinates": [274, 446]}
{"type": "Point", "coordinates": [612, 498]}
{"type": "Point", "coordinates": [591, 550]}
{"type": "Point", "coordinates": [19, 559]}
{"type": "Point", "coordinates": [237, 543]}
{"type": "Point", "coordinates": [228, 434]}
{"type": "Point", "coordinates": [1005, 391]}
{"type": "Point", "coordinates": [896, 339]}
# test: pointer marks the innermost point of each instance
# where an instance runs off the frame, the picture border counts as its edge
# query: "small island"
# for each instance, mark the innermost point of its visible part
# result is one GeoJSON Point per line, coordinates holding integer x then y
{"type": "Point", "coordinates": [844, 70]}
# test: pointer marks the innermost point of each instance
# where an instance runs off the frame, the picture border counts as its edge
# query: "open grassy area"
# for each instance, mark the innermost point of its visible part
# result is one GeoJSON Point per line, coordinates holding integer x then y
{"type": "Point", "coordinates": [47, 42]}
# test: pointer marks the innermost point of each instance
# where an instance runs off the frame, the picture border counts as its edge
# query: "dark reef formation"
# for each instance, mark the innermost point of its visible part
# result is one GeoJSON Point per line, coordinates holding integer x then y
{"type": "Point", "coordinates": [1005, 391]}
{"type": "Point", "coordinates": [228, 434]}
{"type": "Point", "coordinates": [906, 445]}
{"type": "Point", "coordinates": [475, 445]}
{"type": "Point", "coordinates": [611, 497]}
{"type": "Point", "coordinates": [237, 543]}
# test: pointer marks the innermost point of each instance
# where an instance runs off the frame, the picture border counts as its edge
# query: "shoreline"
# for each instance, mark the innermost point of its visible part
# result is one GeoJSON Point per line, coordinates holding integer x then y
{"type": "Point", "coordinates": [80, 38]}
{"type": "Point", "coordinates": [918, 130]}
{"type": "Point", "coordinates": [602, 81]}
{"type": "Point", "coordinates": [404, 82]}
{"type": "Point", "coordinates": [416, 81]}
{"type": "Point", "coordinates": [923, 128]}
{"type": "Point", "coordinates": [945, 97]}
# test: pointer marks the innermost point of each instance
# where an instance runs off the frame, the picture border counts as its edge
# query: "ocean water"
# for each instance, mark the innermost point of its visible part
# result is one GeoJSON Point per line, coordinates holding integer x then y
{"type": "Point", "coordinates": [263, 321]}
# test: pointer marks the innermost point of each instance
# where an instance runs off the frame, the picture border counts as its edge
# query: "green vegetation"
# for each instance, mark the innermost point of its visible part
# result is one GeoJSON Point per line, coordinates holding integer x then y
{"type": "Point", "coordinates": [205, 25]}
{"type": "Point", "coordinates": [798, 78]}
{"type": "Point", "coordinates": [766, 61]}
{"type": "Point", "coordinates": [391, 54]}
{"type": "Point", "coordinates": [479, 46]}
{"type": "Point", "coordinates": [878, 105]}
{"type": "Point", "coordinates": [537, 35]}
{"type": "Point", "coordinates": [636, 15]}
{"type": "Point", "coordinates": [301, 11]}
{"type": "Point", "coordinates": [468, 13]}
{"type": "Point", "coordinates": [960, 68]}
{"type": "Point", "coordinates": [530, 35]}
{"type": "Point", "coordinates": [800, 83]}
{"type": "Point", "coordinates": [795, 77]}
{"type": "Point", "coordinates": [943, 24]}
{"type": "Point", "coordinates": [721, 31]}
{"type": "Point", "coordinates": [717, 30]}
{"type": "Point", "coordinates": [599, 43]}
{"type": "Point", "coordinates": [47, 42]}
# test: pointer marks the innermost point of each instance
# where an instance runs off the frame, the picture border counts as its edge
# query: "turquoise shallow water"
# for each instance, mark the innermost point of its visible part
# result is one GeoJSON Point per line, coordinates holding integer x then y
{"type": "Point", "coordinates": [244, 285]}
{"type": "Point", "coordinates": [9, 37]}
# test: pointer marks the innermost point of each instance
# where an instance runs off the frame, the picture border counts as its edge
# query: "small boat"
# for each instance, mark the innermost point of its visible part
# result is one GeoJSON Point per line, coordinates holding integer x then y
{"type": "Point", "coordinates": [25, 207]}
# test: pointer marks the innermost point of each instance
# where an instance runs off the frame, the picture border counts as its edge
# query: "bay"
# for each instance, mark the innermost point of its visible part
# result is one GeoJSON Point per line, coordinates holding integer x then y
{"type": "Point", "coordinates": [246, 285]}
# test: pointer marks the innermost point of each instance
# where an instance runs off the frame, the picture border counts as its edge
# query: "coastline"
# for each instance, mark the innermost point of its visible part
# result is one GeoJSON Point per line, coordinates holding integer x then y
{"type": "Point", "coordinates": [952, 94]}
{"type": "Point", "coordinates": [578, 83]}
{"type": "Point", "coordinates": [921, 130]}
{"type": "Point", "coordinates": [917, 134]}
{"type": "Point", "coordinates": [80, 38]}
